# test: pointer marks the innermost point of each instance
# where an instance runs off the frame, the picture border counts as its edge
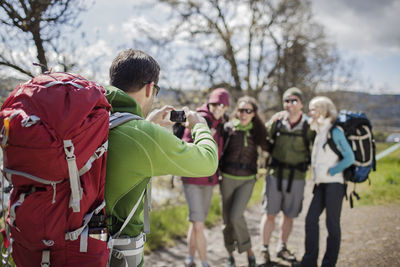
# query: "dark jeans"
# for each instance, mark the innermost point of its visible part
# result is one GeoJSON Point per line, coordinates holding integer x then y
{"type": "Point", "coordinates": [327, 196]}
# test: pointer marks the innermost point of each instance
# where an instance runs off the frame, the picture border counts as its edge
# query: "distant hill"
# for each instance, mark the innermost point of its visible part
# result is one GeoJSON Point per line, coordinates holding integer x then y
{"type": "Point", "coordinates": [383, 110]}
{"type": "Point", "coordinates": [7, 85]}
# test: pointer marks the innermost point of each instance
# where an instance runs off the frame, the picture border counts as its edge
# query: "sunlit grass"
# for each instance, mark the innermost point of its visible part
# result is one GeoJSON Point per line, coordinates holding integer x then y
{"type": "Point", "coordinates": [385, 182]}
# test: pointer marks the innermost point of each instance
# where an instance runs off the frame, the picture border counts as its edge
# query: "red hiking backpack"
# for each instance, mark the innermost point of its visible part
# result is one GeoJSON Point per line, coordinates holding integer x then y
{"type": "Point", "coordinates": [54, 132]}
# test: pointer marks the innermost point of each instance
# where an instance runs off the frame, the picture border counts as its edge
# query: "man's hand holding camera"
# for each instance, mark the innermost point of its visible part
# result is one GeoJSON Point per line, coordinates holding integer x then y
{"type": "Point", "coordinates": [192, 118]}
{"type": "Point", "coordinates": [160, 116]}
{"type": "Point", "coordinates": [187, 117]}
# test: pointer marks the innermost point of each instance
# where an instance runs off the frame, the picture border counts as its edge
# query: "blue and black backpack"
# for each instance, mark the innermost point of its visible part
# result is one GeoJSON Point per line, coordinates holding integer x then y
{"type": "Point", "coordinates": [358, 131]}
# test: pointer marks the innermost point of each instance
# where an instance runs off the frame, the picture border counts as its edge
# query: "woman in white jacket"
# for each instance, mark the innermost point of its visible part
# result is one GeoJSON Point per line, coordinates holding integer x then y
{"type": "Point", "coordinates": [327, 173]}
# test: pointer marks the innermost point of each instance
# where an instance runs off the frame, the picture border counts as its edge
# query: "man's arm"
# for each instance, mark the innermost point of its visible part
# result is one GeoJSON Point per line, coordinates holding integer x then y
{"type": "Point", "coordinates": [176, 157]}
{"type": "Point", "coordinates": [152, 150]}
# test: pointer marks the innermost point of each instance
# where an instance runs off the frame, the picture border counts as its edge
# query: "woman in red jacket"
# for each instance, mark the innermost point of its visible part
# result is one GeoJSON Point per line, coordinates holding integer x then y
{"type": "Point", "coordinates": [199, 191]}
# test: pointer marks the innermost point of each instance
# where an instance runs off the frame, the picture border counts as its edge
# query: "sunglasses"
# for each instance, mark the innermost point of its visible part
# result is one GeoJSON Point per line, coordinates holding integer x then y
{"type": "Point", "coordinates": [217, 105]}
{"type": "Point", "coordinates": [293, 101]}
{"type": "Point", "coordinates": [247, 110]}
{"type": "Point", "coordinates": [155, 86]}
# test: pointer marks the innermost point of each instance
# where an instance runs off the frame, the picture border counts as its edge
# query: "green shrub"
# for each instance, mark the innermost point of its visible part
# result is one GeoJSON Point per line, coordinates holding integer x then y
{"type": "Point", "coordinates": [380, 136]}
{"type": "Point", "coordinates": [166, 225]}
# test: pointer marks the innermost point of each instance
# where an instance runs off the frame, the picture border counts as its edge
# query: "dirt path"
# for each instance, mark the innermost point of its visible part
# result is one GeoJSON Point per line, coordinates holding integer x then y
{"type": "Point", "coordinates": [370, 237]}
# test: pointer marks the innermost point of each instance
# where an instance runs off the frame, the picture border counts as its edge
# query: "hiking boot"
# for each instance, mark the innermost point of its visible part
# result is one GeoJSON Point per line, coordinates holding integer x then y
{"type": "Point", "coordinates": [285, 254]}
{"type": "Point", "coordinates": [230, 262]}
{"type": "Point", "coordinates": [190, 264]}
{"type": "Point", "coordinates": [297, 264]}
{"type": "Point", "coordinates": [265, 254]}
{"type": "Point", "coordinates": [252, 261]}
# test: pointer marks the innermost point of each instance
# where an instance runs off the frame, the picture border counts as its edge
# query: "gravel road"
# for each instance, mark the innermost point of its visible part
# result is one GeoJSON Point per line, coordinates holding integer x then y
{"type": "Point", "coordinates": [370, 237]}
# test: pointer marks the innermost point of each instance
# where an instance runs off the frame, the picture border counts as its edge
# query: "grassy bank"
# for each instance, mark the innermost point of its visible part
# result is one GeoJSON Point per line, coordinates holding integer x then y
{"type": "Point", "coordinates": [385, 182]}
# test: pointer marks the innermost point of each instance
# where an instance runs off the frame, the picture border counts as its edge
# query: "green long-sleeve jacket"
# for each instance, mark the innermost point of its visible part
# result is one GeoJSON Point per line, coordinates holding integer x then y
{"type": "Point", "coordinates": [139, 150]}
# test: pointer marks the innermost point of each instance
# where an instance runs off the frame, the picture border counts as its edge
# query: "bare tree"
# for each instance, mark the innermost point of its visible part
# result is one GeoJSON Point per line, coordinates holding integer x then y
{"type": "Point", "coordinates": [33, 27]}
{"type": "Point", "coordinates": [248, 45]}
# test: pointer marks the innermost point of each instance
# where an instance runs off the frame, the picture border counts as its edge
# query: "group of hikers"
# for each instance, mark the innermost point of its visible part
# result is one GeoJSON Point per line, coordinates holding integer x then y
{"type": "Point", "coordinates": [293, 141]}
{"type": "Point", "coordinates": [216, 149]}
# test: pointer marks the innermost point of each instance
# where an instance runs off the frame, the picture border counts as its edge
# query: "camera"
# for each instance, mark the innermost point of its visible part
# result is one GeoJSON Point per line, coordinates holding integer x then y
{"type": "Point", "coordinates": [178, 116]}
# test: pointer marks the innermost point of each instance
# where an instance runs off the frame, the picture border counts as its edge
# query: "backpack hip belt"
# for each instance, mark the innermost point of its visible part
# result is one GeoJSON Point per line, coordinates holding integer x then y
{"type": "Point", "coordinates": [302, 167]}
{"type": "Point", "coordinates": [128, 251]}
{"type": "Point", "coordinates": [136, 245]}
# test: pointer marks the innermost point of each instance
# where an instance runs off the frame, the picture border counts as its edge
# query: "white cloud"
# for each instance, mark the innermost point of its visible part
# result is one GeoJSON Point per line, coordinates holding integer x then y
{"type": "Point", "coordinates": [368, 31]}
{"type": "Point", "coordinates": [366, 26]}
{"type": "Point", "coordinates": [94, 60]}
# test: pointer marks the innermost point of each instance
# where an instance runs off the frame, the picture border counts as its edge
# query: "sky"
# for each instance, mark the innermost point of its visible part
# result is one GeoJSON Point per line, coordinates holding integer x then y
{"type": "Point", "coordinates": [366, 31]}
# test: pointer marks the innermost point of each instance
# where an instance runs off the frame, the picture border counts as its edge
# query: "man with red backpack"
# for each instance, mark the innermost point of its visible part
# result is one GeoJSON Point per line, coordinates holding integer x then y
{"type": "Point", "coordinates": [55, 137]}
{"type": "Point", "coordinates": [140, 149]}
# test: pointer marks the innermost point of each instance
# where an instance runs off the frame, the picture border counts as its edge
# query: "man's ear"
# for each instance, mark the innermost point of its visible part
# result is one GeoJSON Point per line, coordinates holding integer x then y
{"type": "Point", "coordinates": [148, 89]}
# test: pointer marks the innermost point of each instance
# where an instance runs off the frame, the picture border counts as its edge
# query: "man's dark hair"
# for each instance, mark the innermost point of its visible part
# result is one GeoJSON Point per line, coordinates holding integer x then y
{"type": "Point", "coordinates": [132, 69]}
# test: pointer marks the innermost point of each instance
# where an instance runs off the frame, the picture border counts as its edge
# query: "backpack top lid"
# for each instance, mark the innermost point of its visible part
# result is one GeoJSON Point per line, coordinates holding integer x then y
{"type": "Point", "coordinates": [44, 112]}
{"type": "Point", "coordinates": [350, 120]}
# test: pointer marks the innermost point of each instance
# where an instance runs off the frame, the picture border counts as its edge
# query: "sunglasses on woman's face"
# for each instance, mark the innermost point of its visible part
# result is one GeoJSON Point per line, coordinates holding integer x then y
{"type": "Point", "coordinates": [247, 110]}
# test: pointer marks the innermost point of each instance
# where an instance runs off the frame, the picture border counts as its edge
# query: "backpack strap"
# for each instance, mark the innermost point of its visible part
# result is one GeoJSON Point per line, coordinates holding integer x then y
{"type": "Point", "coordinates": [147, 208]}
{"type": "Point", "coordinates": [304, 131]}
{"type": "Point", "coordinates": [330, 141]}
{"type": "Point", "coordinates": [45, 258]}
{"type": "Point", "coordinates": [130, 215]}
{"type": "Point", "coordinates": [118, 118]}
{"type": "Point", "coordinates": [302, 166]}
{"type": "Point", "coordinates": [275, 133]}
